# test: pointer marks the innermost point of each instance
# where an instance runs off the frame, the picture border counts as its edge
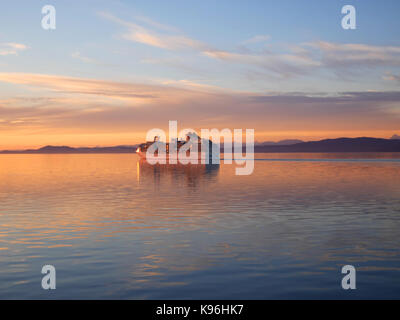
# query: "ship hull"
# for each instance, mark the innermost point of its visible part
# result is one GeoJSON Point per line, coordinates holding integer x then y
{"type": "Point", "coordinates": [201, 158]}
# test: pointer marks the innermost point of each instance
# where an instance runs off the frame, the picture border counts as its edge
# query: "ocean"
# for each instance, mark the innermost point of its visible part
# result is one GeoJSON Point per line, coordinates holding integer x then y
{"type": "Point", "coordinates": [117, 228]}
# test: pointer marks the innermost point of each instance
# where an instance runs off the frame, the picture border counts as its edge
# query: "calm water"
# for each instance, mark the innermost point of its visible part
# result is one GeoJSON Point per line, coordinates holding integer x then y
{"type": "Point", "coordinates": [116, 228]}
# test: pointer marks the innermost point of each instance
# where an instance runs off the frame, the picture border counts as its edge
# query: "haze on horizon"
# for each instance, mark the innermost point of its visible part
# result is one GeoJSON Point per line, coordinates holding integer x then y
{"type": "Point", "coordinates": [112, 70]}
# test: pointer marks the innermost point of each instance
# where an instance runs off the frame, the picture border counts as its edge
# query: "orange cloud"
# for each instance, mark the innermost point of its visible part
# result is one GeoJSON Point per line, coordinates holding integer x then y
{"type": "Point", "coordinates": [11, 48]}
{"type": "Point", "coordinates": [78, 111]}
{"type": "Point", "coordinates": [165, 40]}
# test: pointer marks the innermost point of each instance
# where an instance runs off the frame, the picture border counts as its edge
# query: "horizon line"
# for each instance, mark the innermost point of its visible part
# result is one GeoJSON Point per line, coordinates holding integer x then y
{"type": "Point", "coordinates": [394, 137]}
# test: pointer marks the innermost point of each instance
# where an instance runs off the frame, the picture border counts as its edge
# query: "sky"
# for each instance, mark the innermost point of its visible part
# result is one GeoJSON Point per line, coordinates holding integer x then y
{"type": "Point", "coordinates": [112, 70]}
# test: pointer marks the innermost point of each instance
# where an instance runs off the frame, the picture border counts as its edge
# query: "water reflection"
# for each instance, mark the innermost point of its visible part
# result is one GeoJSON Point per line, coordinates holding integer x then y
{"type": "Point", "coordinates": [190, 176]}
{"type": "Point", "coordinates": [115, 227]}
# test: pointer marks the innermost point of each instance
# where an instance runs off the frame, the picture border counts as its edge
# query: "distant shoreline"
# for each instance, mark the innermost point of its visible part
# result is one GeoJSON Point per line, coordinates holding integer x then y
{"type": "Point", "coordinates": [339, 145]}
{"type": "Point", "coordinates": [133, 152]}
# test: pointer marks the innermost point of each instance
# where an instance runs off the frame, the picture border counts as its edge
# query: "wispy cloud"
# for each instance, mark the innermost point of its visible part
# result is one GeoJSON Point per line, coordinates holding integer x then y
{"type": "Point", "coordinates": [303, 58]}
{"type": "Point", "coordinates": [161, 37]}
{"type": "Point", "coordinates": [156, 24]}
{"type": "Point", "coordinates": [391, 77]}
{"type": "Point", "coordinates": [71, 85]}
{"type": "Point", "coordinates": [88, 106]}
{"type": "Point", "coordinates": [282, 64]}
{"type": "Point", "coordinates": [12, 48]}
{"type": "Point", "coordinates": [131, 93]}
{"type": "Point", "coordinates": [79, 56]}
{"type": "Point", "coordinates": [257, 39]}
{"type": "Point", "coordinates": [355, 54]}
{"type": "Point", "coordinates": [282, 61]}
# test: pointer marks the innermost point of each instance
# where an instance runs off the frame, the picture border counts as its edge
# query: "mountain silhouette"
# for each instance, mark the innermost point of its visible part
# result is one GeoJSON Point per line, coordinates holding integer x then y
{"type": "Point", "coordinates": [279, 143]}
{"type": "Point", "coordinates": [363, 144]}
{"type": "Point", "coordinates": [66, 149]}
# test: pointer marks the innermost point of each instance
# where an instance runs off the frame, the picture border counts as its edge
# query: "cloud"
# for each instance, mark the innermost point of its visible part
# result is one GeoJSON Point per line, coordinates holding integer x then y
{"type": "Point", "coordinates": [354, 54]}
{"type": "Point", "coordinates": [161, 38]}
{"type": "Point", "coordinates": [156, 24]}
{"type": "Point", "coordinates": [302, 59]}
{"type": "Point", "coordinates": [278, 61]}
{"type": "Point", "coordinates": [71, 85]}
{"type": "Point", "coordinates": [341, 97]}
{"type": "Point", "coordinates": [281, 64]}
{"type": "Point", "coordinates": [79, 56]}
{"type": "Point", "coordinates": [391, 77]}
{"type": "Point", "coordinates": [61, 105]}
{"type": "Point", "coordinates": [257, 39]}
{"type": "Point", "coordinates": [169, 42]}
{"type": "Point", "coordinates": [200, 87]}
{"type": "Point", "coordinates": [11, 48]}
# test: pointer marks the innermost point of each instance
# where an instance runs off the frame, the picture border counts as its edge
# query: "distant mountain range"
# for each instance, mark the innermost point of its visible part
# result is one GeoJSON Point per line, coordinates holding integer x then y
{"type": "Point", "coordinates": [337, 145]}
{"type": "Point", "coordinates": [363, 144]}
{"type": "Point", "coordinates": [279, 143]}
{"type": "Point", "coordinates": [66, 149]}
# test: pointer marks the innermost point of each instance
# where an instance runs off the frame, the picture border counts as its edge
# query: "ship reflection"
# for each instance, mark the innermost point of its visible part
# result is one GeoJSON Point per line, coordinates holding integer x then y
{"type": "Point", "coordinates": [190, 175]}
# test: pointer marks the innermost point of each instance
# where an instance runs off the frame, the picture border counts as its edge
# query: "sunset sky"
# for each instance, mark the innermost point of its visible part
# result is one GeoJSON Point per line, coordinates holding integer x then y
{"type": "Point", "coordinates": [112, 70]}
